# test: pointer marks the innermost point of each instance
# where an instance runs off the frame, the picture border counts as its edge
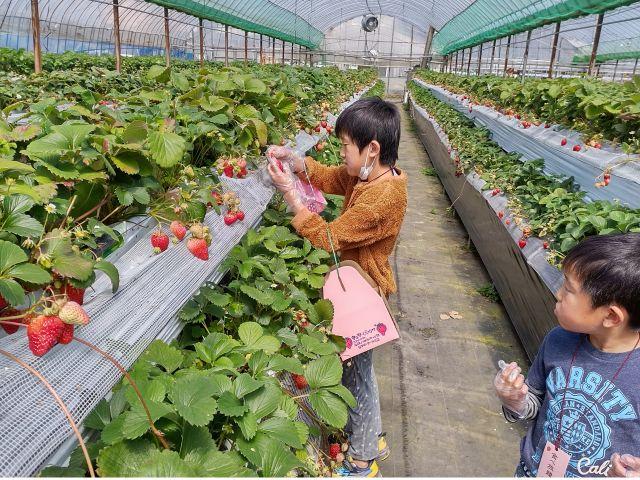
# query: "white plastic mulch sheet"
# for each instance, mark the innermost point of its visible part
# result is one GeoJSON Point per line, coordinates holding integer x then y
{"type": "Point", "coordinates": [539, 142]}
{"type": "Point", "coordinates": [534, 252]}
{"type": "Point", "coordinates": [153, 288]}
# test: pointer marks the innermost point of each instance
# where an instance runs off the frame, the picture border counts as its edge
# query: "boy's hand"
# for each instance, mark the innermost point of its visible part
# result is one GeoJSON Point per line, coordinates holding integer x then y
{"type": "Point", "coordinates": [511, 389]}
{"type": "Point", "coordinates": [624, 466]}
{"type": "Point", "coordinates": [286, 155]}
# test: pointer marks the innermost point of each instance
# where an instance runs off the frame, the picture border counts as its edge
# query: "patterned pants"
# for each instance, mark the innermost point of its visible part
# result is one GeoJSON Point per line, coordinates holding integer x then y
{"type": "Point", "coordinates": [364, 424]}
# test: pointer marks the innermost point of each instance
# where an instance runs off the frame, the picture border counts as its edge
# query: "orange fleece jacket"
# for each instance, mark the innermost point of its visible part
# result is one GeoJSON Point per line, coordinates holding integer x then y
{"type": "Point", "coordinates": [370, 222]}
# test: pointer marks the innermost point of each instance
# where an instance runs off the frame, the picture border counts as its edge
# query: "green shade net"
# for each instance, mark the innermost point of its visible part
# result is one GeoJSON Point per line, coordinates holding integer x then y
{"type": "Point", "coordinates": [627, 49]}
{"type": "Point", "coordinates": [486, 20]}
{"type": "Point", "coordinates": [259, 16]}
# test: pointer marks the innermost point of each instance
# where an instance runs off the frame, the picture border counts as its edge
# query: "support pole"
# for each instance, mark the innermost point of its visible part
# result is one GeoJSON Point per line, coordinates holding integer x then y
{"type": "Point", "coordinates": [635, 68]}
{"type": "Point", "coordinates": [273, 50]}
{"type": "Point", "coordinates": [456, 67]}
{"type": "Point", "coordinates": [525, 57]}
{"type": "Point", "coordinates": [226, 45]}
{"type": "Point", "coordinates": [246, 47]}
{"type": "Point", "coordinates": [261, 51]}
{"type": "Point", "coordinates": [411, 47]}
{"type": "Point", "coordinates": [282, 63]}
{"type": "Point", "coordinates": [469, 62]}
{"type": "Point", "coordinates": [116, 35]}
{"type": "Point", "coordinates": [615, 71]}
{"type": "Point", "coordinates": [427, 47]}
{"type": "Point", "coordinates": [596, 42]}
{"type": "Point", "coordinates": [480, 58]}
{"type": "Point", "coordinates": [462, 63]}
{"type": "Point", "coordinates": [167, 40]}
{"type": "Point", "coordinates": [291, 53]}
{"type": "Point", "coordinates": [35, 27]}
{"type": "Point", "coordinates": [493, 56]}
{"type": "Point", "coordinates": [201, 28]}
{"type": "Point", "coordinates": [554, 50]}
{"type": "Point", "coordinates": [506, 57]}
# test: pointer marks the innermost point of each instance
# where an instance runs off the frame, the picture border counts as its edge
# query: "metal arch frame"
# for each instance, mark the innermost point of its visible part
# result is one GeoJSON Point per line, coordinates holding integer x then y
{"type": "Point", "coordinates": [415, 11]}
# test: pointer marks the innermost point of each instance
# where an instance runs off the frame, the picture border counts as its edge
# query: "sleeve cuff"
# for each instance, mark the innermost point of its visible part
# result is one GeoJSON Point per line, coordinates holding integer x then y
{"type": "Point", "coordinates": [301, 218]}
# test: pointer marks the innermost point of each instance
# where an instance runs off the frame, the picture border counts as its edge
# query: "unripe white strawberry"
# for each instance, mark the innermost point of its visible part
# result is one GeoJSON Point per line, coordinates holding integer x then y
{"type": "Point", "coordinates": [73, 314]}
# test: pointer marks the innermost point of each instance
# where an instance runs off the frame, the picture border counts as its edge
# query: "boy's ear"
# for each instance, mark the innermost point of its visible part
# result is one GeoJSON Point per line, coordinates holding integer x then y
{"type": "Point", "coordinates": [616, 316]}
{"type": "Point", "coordinates": [375, 148]}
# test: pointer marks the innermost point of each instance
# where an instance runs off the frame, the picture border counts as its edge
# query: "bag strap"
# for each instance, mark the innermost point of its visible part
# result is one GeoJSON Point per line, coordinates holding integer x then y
{"type": "Point", "coordinates": [335, 258]}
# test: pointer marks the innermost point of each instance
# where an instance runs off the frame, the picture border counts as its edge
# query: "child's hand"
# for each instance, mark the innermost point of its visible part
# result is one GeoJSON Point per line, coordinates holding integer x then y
{"type": "Point", "coordinates": [286, 155]}
{"type": "Point", "coordinates": [511, 389]}
{"type": "Point", "coordinates": [624, 466]}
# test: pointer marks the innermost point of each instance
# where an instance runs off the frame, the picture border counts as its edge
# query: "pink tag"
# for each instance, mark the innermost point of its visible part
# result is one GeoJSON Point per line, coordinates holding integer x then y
{"type": "Point", "coordinates": [554, 462]}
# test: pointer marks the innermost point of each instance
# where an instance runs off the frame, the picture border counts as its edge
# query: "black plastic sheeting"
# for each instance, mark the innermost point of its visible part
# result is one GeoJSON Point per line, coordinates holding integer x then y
{"type": "Point", "coordinates": [525, 295]}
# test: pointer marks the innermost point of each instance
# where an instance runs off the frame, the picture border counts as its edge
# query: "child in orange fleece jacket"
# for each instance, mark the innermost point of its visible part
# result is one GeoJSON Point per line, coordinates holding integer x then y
{"type": "Point", "coordinates": [375, 202]}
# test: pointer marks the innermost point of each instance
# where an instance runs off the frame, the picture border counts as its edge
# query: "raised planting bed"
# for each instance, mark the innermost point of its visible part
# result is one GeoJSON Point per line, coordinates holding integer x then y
{"type": "Point", "coordinates": [153, 290]}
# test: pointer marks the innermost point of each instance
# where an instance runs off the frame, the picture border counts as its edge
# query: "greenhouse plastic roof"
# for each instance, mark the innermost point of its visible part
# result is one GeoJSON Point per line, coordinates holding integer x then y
{"type": "Point", "coordinates": [460, 22]}
{"type": "Point", "coordinates": [486, 20]}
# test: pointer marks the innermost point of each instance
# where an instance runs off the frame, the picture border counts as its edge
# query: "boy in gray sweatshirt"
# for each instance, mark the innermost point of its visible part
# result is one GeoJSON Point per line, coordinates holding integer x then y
{"type": "Point", "coordinates": [583, 389]}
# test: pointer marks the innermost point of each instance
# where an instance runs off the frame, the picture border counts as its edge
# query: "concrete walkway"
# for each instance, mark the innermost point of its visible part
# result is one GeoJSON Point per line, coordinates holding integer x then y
{"type": "Point", "coordinates": [438, 406]}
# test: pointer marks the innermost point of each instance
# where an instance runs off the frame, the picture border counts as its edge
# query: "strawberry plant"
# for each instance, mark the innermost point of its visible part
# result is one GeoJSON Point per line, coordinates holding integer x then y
{"type": "Point", "coordinates": [543, 205]}
{"type": "Point", "coordinates": [596, 108]}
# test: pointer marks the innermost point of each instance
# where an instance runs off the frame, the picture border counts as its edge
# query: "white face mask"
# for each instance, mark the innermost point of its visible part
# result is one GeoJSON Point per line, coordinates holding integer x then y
{"type": "Point", "coordinates": [364, 170]}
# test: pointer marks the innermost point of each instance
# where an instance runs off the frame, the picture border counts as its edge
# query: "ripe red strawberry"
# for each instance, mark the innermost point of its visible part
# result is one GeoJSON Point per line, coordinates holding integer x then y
{"type": "Point", "coordinates": [300, 381]}
{"type": "Point", "coordinates": [598, 146]}
{"type": "Point", "coordinates": [577, 148]}
{"type": "Point", "coordinates": [66, 335]}
{"type": "Point", "coordinates": [43, 334]}
{"type": "Point", "coordinates": [178, 229]}
{"type": "Point", "coordinates": [73, 314]}
{"type": "Point", "coordinates": [320, 147]}
{"type": "Point", "coordinates": [228, 171]}
{"type": "Point", "coordinates": [563, 142]}
{"type": "Point", "coordinates": [243, 172]}
{"type": "Point", "coordinates": [607, 178]}
{"type": "Point", "coordinates": [329, 129]}
{"type": "Point", "coordinates": [318, 128]}
{"type": "Point", "coordinates": [10, 312]}
{"type": "Point", "coordinates": [547, 125]}
{"type": "Point", "coordinates": [159, 241]}
{"type": "Point", "coordinates": [323, 124]}
{"type": "Point", "coordinates": [495, 192]}
{"type": "Point", "coordinates": [230, 218]}
{"type": "Point", "coordinates": [522, 243]}
{"type": "Point", "coordinates": [74, 294]}
{"type": "Point", "coordinates": [500, 215]}
{"type": "Point", "coordinates": [545, 245]}
{"type": "Point", "coordinates": [3, 302]}
{"type": "Point", "coordinates": [517, 115]}
{"type": "Point", "coordinates": [240, 215]}
{"type": "Point", "coordinates": [334, 450]}
{"type": "Point", "coordinates": [198, 247]}
{"type": "Point", "coordinates": [507, 221]}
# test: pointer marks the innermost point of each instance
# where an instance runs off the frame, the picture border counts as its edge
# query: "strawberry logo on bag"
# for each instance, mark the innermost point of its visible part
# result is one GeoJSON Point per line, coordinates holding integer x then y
{"type": "Point", "coordinates": [349, 343]}
{"type": "Point", "coordinates": [382, 328]}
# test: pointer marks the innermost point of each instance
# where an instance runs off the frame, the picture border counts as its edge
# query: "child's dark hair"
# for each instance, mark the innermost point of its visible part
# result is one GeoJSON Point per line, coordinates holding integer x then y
{"type": "Point", "coordinates": [608, 266]}
{"type": "Point", "coordinates": [371, 119]}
